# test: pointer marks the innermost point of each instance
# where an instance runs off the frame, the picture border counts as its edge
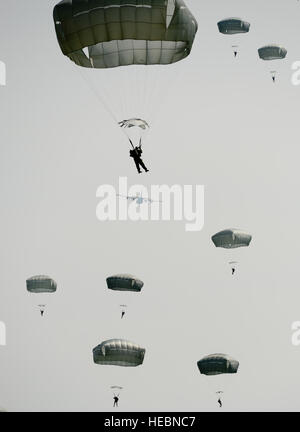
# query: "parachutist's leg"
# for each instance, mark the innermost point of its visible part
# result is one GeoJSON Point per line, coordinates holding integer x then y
{"type": "Point", "coordinates": [143, 166]}
{"type": "Point", "coordinates": [137, 165]}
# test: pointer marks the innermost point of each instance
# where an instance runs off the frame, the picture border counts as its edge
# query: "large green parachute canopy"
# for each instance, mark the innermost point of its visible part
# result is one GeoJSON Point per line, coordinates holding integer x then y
{"type": "Point", "coordinates": [217, 364]}
{"type": "Point", "coordinates": [118, 352]}
{"type": "Point", "coordinates": [112, 33]}
{"type": "Point", "coordinates": [231, 238]}
{"type": "Point", "coordinates": [41, 284]}
{"type": "Point", "coordinates": [272, 52]}
{"type": "Point", "coordinates": [124, 282]}
{"type": "Point", "coordinates": [231, 26]}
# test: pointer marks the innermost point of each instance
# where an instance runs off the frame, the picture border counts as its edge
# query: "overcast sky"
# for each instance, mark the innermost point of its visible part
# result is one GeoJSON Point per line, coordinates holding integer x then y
{"type": "Point", "coordinates": [224, 125]}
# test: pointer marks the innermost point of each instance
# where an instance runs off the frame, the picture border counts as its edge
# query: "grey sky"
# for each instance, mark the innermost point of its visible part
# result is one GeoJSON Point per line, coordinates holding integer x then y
{"type": "Point", "coordinates": [225, 125]}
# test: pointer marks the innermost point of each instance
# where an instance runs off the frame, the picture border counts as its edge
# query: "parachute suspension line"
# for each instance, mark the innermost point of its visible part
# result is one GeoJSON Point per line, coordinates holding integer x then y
{"type": "Point", "coordinates": [158, 86]}
{"type": "Point", "coordinates": [128, 89]}
{"type": "Point", "coordinates": [151, 92]}
{"type": "Point", "coordinates": [140, 95]}
{"type": "Point", "coordinates": [142, 77]}
{"type": "Point", "coordinates": [173, 79]}
{"type": "Point", "coordinates": [145, 86]}
{"type": "Point", "coordinates": [121, 97]}
{"type": "Point", "coordinates": [146, 80]}
{"type": "Point", "coordinates": [161, 82]}
{"type": "Point", "coordinates": [154, 93]}
{"type": "Point", "coordinates": [95, 92]}
{"type": "Point", "coordinates": [121, 94]}
{"type": "Point", "coordinates": [135, 105]}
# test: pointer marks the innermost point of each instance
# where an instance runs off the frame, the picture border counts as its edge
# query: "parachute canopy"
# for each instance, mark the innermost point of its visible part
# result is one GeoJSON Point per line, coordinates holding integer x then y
{"type": "Point", "coordinates": [232, 26]}
{"type": "Point", "coordinates": [124, 32]}
{"type": "Point", "coordinates": [134, 122]}
{"type": "Point", "coordinates": [217, 364]}
{"type": "Point", "coordinates": [231, 238]}
{"type": "Point", "coordinates": [41, 284]}
{"type": "Point", "coordinates": [272, 52]}
{"type": "Point", "coordinates": [118, 352]}
{"type": "Point", "coordinates": [124, 282]}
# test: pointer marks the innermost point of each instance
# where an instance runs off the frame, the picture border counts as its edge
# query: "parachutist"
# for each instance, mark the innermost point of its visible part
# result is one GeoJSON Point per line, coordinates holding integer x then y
{"type": "Point", "coordinates": [271, 53]}
{"type": "Point", "coordinates": [232, 271]}
{"type": "Point", "coordinates": [123, 313]}
{"type": "Point", "coordinates": [235, 53]}
{"type": "Point", "coordinates": [136, 155]}
{"type": "Point", "coordinates": [42, 313]}
{"type": "Point", "coordinates": [220, 402]}
{"type": "Point", "coordinates": [116, 400]}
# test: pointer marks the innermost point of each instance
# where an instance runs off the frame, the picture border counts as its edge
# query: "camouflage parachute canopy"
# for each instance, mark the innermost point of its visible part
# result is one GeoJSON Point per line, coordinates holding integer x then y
{"type": "Point", "coordinates": [231, 238]}
{"type": "Point", "coordinates": [272, 52]}
{"type": "Point", "coordinates": [124, 32]}
{"type": "Point", "coordinates": [217, 364]}
{"type": "Point", "coordinates": [41, 284]}
{"type": "Point", "coordinates": [124, 282]}
{"type": "Point", "coordinates": [118, 352]}
{"type": "Point", "coordinates": [232, 26]}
